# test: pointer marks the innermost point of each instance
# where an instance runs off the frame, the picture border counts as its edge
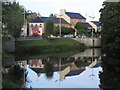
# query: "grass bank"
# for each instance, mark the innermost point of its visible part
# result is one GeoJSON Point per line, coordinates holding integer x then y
{"type": "Point", "coordinates": [51, 46]}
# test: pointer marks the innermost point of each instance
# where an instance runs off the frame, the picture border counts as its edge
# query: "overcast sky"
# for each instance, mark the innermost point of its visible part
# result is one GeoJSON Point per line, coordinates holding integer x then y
{"type": "Point", "coordinates": [46, 7]}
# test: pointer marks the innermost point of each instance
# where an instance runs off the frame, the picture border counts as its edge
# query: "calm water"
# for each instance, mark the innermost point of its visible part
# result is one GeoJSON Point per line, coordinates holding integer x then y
{"type": "Point", "coordinates": [80, 70]}
{"type": "Point", "coordinates": [88, 78]}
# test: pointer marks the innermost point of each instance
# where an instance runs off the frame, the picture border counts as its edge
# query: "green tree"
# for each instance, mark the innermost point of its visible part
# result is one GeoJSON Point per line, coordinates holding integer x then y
{"type": "Point", "coordinates": [49, 27]}
{"type": "Point", "coordinates": [12, 18]}
{"type": "Point", "coordinates": [81, 28]}
{"type": "Point", "coordinates": [64, 30]}
{"type": "Point", "coordinates": [56, 31]}
{"type": "Point", "coordinates": [52, 15]}
{"type": "Point", "coordinates": [110, 20]}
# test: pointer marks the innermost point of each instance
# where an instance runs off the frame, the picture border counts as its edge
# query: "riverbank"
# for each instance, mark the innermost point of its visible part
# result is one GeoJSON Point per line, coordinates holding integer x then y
{"type": "Point", "coordinates": [51, 46]}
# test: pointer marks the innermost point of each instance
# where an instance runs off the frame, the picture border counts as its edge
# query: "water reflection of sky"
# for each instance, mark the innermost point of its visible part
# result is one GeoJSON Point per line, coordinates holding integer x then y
{"type": "Point", "coordinates": [83, 80]}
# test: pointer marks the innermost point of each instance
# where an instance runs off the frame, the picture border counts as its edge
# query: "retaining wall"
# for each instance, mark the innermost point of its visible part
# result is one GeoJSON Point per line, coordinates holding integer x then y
{"type": "Point", "coordinates": [91, 42]}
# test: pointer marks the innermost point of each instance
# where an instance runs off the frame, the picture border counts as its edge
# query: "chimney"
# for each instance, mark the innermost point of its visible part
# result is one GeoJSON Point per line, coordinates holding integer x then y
{"type": "Point", "coordinates": [38, 14]}
{"type": "Point", "coordinates": [62, 11]}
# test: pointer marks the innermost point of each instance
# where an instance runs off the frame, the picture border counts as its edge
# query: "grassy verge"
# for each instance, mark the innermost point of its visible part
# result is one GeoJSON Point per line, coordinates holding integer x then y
{"type": "Point", "coordinates": [45, 47]}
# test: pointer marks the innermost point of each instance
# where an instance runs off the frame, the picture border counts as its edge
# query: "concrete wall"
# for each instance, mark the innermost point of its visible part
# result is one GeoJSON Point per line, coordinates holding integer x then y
{"type": "Point", "coordinates": [93, 25]}
{"type": "Point", "coordinates": [95, 42]}
{"type": "Point", "coordinates": [92, 52]}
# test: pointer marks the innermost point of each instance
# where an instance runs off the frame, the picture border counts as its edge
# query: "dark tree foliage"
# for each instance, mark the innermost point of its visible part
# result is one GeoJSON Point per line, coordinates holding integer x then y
{"type": "Point", "coordinates": [110, 77]}
{"type": "Point", "coordinates": [81, 28]}
{"type": "Point", "coordinates": [64, 30]}
{"type": "Point", "coordinates": [49, 27]}
{"type": "Point", "coordinates": [49, 69]}
{"type": "Point", "coordinates": [110, 20]}
{"type": "Point", "coordinates": [14, 78]}
{"type": "Point", "coordinates": [12, 18]}
{"type": "Point", "coordinates": [56, 31]}
{"type": "Point", "coordinates": [52, 15]}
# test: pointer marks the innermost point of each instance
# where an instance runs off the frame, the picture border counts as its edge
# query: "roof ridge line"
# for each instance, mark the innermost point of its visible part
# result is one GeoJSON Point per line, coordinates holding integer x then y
{"type": "Point", "coordinates": [72, 12]}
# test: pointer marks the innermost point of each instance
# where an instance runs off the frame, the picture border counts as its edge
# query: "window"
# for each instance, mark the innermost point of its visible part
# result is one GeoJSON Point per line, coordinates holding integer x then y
{"type": "Point", "coordinates": [40, 25]}
{"type": "Point", "coordinates": [80, 20]}
{"type": "Point", "coordinates": [31, 25]}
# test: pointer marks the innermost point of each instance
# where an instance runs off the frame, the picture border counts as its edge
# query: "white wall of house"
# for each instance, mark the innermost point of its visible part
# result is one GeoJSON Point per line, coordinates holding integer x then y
{"type": "Point", "coordinates": [64, 16]}
{"type": "Point", "coordinates": [40, 26]}
{"type": "Point", "coordinates": [36, 65]}
{"type": "Point", "coordinates": [94, 26]}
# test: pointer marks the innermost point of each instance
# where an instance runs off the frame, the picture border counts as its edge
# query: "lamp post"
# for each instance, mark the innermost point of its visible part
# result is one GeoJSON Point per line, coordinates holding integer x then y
{"type": "Point", "coordinates": [59, 24]}
{"type": "Point", "coordinates": [25, 25]}
{"type": "Point", "coordinates": [92, 17]}
{"type": "Point", "coordinates": [24, 28]}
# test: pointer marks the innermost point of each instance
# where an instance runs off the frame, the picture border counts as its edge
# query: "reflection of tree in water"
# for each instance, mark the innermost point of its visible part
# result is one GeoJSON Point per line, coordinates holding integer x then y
{"type": "Point", "coordinates": [49, 69]}
{"type": "Point", "coordinates": [80, 62]}
{"type": "Point", "coordinates": [110, 77]}
{"type": "Point", "coordinates": [14, 77]}
{"type": "Point", "coordinates": [17, 72]}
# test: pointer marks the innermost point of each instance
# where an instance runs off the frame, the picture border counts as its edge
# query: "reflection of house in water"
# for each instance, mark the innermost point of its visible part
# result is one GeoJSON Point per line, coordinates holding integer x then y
{"type": "Point", "coordinates": [36, 64]}
{"type": "Point", "coordinates": [93, 53]}
{"type": "Point", "coordinates": [22, 64]}
{"type": "Point", "coordinates": [63, 70]}
{"type": "Point", "coordinates": [73, 70]}
{"type": "Point", "coordinates": [42, 69]}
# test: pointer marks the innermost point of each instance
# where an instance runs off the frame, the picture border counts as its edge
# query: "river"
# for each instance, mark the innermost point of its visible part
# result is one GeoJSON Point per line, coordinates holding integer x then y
{"type": "Point", "coordinates": [77, 70]}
